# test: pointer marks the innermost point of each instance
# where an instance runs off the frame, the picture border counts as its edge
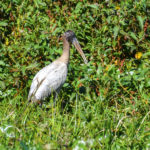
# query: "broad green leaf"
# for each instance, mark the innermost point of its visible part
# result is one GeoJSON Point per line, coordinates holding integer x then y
{"type": "Point", "coordinates": [2, 63]}
{"type": "Point", "coordinates": [116, 30]}
{"type": "Point", "coordinates": [141, 21]}
{"type": "Point", "coordinates": [2, 85]}
{"type": "Point", "coordinates": [2, 23]}
{"type": "Point", "coordinates": [147, 54]}
{"type": "Point", "coordinates": [95, 6]}
{"type": "Point", "coordinates": [133, 36]}
{"type": "Point", "coordinates": [32, 66]}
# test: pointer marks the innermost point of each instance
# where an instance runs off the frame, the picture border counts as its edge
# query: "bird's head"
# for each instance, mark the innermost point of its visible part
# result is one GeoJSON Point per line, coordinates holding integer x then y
{"type": "Point", "coordinates": [71, 38]}
{"type": "Point", "coordinates": [69, 35]}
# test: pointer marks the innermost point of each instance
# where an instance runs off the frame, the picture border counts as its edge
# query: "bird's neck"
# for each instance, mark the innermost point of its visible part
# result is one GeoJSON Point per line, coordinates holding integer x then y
{"type": "Point", "coordinates": [66, 52]}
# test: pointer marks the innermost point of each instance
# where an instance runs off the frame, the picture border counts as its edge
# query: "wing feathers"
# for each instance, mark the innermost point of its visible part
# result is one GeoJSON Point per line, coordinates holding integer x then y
{"type": "Point", "coordinates": [49, 79]}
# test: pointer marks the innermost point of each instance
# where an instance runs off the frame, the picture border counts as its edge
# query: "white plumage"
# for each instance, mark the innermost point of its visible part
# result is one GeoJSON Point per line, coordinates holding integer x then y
{"type": "Point", "coordinates": [47, 80]}
{"type": "Point", "coordinates": [52, 77]}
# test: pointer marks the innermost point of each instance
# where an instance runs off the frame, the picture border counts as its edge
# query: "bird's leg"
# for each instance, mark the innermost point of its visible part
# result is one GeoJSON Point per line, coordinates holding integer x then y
{"type": "Point", "coordinates": [40, 103]}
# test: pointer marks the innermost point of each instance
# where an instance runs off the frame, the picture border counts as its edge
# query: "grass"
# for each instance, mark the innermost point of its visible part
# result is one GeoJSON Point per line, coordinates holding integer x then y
{"type": "Point", "coordinates": [102, 105]}
{"type": "Point", "coordinates": [87, 123]}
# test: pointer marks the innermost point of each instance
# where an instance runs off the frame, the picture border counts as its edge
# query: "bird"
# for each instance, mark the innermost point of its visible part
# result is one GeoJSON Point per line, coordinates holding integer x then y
{"type": "Point", "coordinates": [52, 77]}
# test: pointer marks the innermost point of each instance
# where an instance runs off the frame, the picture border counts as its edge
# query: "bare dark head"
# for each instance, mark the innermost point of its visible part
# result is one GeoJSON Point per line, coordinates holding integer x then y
{"type": "Point", "coordinates": [69, 35]}
{"type": "Point", "coordinates": [71, 38]}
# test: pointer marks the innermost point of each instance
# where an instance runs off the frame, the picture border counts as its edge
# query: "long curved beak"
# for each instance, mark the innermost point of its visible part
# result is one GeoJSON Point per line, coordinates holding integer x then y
{"type": "Point", "coordinates": [79, 49]}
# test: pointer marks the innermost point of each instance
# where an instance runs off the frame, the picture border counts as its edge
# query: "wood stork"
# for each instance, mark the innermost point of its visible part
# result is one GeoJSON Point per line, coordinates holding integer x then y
{"type": "Point", "coordinates": [52, 77]}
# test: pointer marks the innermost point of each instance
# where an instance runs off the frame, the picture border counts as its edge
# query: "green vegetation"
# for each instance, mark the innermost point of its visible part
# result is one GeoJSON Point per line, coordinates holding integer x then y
{"type": "Point", "coordinates": [103, 105]}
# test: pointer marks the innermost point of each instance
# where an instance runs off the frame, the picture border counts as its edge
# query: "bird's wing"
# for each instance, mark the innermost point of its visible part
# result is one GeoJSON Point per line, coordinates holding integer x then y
{"type": "Point", "coordinates": [48, 79]}
{"type": "Point", "coordinates": [38, 78]}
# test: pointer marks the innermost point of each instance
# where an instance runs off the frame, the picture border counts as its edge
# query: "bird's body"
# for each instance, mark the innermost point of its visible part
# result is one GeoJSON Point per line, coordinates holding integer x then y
{"type": "Point", "coordinates": [52, 77]}
{"type": "Point", "coordinates": [47, 80]}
